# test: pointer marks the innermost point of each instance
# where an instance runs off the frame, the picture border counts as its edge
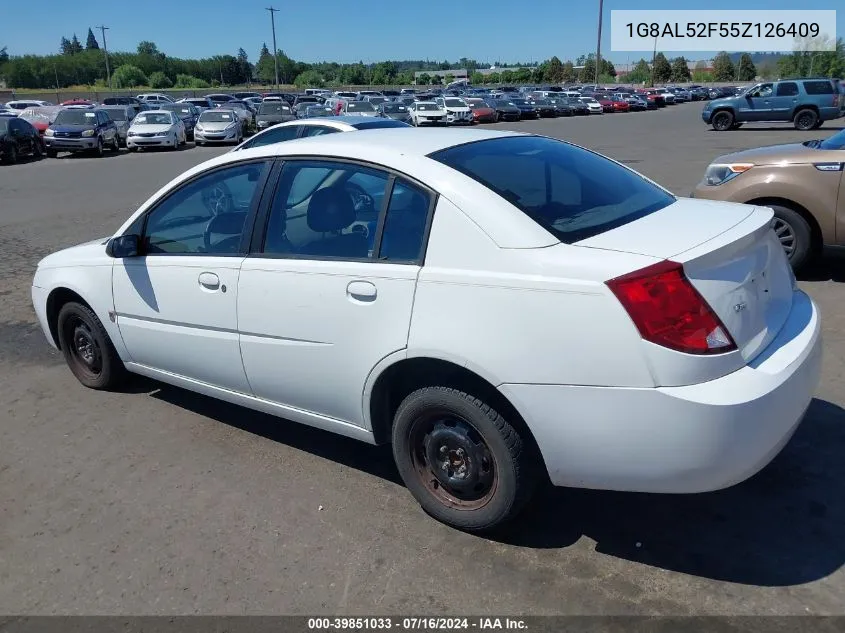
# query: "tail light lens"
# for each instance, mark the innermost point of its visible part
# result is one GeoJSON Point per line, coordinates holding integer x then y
{"type": "Point", "coordinates": [668, 311]}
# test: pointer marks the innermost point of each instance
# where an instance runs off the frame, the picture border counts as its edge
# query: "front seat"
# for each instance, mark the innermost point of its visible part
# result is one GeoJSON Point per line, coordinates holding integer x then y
{"type": "Point", "coordinates": [229, 224]}
{"type": "Point", "coordinates": [330, 211]}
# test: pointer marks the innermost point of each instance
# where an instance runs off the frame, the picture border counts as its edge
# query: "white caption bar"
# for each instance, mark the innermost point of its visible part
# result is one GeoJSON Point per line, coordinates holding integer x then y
{"type": "Point", "coordinates": [732, 31]}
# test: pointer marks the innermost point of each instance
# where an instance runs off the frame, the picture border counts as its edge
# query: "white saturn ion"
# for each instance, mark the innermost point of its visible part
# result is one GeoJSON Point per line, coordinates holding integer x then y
{"type": "Point", "coordinates": [155, 128]}
{"type": "Point", "coordinates": [500, 307]}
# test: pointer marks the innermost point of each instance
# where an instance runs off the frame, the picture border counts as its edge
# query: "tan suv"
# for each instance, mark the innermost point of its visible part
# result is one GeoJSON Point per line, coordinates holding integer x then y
{"type": "Point", "coordinates": [804, 183]}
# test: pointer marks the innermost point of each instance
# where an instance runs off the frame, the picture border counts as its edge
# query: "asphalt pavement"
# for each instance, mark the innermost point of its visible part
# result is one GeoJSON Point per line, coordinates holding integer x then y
{"type": "Point", "coordinates": [159, 501]}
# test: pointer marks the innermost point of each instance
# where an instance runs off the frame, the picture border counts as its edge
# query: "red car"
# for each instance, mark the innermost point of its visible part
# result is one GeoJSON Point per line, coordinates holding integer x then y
{"type": "Point", "coordinates": [654, 97]}
{"type": "Point", "coordinates": [77, 102]}
{"type": "Point", "coordinates": [619, 104]}
{"type": "Point", "coordinates": [481, 111]}
{"type": "Point", "coordinates": [41, 117]}
{"type": "Point", "coordinates": [606, 103]}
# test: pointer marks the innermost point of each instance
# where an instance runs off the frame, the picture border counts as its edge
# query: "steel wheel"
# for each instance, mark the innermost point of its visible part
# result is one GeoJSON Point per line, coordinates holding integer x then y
{"type": "Point", "coordinates": [84, 350]}
{"type": "Point", "coordinates": [785, 234]}
{"type": "Point", "coordinates": [452, 461]}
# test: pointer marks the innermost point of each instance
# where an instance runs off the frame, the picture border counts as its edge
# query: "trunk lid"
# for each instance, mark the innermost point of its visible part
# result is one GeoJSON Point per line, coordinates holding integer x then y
{"type": "Point", "coordinates": [729, 254]}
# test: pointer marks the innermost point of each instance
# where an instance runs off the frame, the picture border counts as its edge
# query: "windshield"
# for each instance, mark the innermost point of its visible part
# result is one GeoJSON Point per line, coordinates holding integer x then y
{"type": "Point", "coordinates": [504, 104]}
{"type": "Point", "coordinates": [76, 117]}
{"type": "Point", "coordinates": [519, 101]}
{"type": "Point", "coordinates": [427, 107]}
{"type": "Point", "coordinates": [117, 114]}
{"type": "Point", "coordinates": [392, 108]}
{"type": "Point", "coordinates": [319, 111]}
{"type": "Point", "coordinates": [216, 116]}
{"type": "Point", "coordinates": [179, 109]}
{"type": "Point", "coordinates": [360, 106]}
{"type": "Point", "coordinates": [237, 105]}
{"type": "Point", "coordinates": [152, 118]}
{"type": "Point", "coordinates": [572, 192]}
{"type": "Point", "coordinates": [455, 103]}
{"type": "Point", "coordinates": [479, 105]}
{"type": "Point", "coordinates": [837, 141]}
{"type": "Point", "coordinates": [377, 100]}
{"type": "Point", "coordinates": [274, 107]}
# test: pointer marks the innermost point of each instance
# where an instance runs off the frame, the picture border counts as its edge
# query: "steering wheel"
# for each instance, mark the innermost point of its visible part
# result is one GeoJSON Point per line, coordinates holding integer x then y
{"type": "Point", "coordinates": [361, 199]}
{"type": "Point", "coordinates": [218, 198]}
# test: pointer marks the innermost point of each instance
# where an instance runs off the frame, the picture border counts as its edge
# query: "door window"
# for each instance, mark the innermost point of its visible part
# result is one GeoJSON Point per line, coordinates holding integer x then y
{"type": "Point", "coordinates": [276, 134]}
{"type": "Point", "coordinates": [318, 130]}
{"type": "Point", "coordinates": [206, 216]}
{"type": "Point", "coordinates": [787, 89]}
{"type": "Point", "coordinates": [404, 226]}
{"type": "Point", "coordinates": [325, 209]}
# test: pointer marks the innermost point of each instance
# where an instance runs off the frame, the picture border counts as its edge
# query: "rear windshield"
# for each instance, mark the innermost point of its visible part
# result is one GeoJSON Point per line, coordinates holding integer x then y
{"type": "Point", "coordinates": [573, 193]}
{"type": "Point", "coordinates": [818, 87]}
{"type": "Point", "coordinates": [274, 107]}
{"type": "Point", "coordinates": [359, 106]}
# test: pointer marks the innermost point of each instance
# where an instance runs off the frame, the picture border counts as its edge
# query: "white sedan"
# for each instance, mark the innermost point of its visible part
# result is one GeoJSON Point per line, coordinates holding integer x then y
{"type": "Point", "coordinates": [457, 110]}
{"type": "Point", "coordinates": [155, 128]}
{"type": "Point", "coordinates": [427, 113]}
{"type": "Point", "coordinates": [498, 306]}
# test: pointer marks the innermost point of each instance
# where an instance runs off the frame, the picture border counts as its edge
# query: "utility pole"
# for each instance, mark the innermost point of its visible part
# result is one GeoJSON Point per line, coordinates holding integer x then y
{"type": "Point", "coordinates": [598, 43]}
{"type": "Point", "coordinates": [56, 74]}
{"type": "Point", "coordinates": [103, 30]}
{"type": "Point", "coordinates": [275, 51]}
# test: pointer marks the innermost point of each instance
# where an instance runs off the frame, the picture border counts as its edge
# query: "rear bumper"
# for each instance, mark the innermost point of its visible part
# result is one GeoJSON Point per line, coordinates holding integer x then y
{"type": "Point", "coordinates": [687, 439]}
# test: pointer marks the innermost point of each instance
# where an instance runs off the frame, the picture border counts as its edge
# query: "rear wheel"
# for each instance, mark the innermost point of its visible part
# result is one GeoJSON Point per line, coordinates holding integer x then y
{"type": "Point", "coordinates": [805, 119]}
{"type": "Point", "coordinates": [464, 463]}
{"type": "Point", "coordinates": [736, 126]}
{"type": "Point", "coordinates": [794, 234]}
{"type": "Point", "coordinates": [51, 153]}
{"type": "Point", "coordinates": [37, 151]}
{"type": "Point", "coordinates": [818, 124]}
{"type": "Point", "coordinates": [722, 120]}
{"type": "Point", "coordinates": [115, 143]}
{"type": "Point", "coordinates": [87, 348]}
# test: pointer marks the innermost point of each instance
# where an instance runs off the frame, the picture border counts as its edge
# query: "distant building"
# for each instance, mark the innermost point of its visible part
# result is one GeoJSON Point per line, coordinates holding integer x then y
{"type": "Point", "coordinates": [463, 73]}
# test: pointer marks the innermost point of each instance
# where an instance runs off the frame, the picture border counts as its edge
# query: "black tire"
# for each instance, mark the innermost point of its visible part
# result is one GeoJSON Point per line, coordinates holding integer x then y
{"type": "Point", "coordinates": [794, 234]}
{"type": "Point", "coordinates": [498, 473]}
{"type": "Point", "coordinates": [818, 124]}
{"type": "Point", "coordinates": [12, 155]}
{"type": "Point", "coordinates": [87, 348]}
{"type": "Point", "coordinates": [133, 149]}
{"type": "Point", "coordinates": [51, 153]}
{"type": "Point", "coordinates": [98, 151]}
{"type": "Point", "coordinates": [37, 150]}
{"type": "Point", "coordinates": [722, 120]}
{"type": "Point", "coordinates": [736, 126]}
{"type": "Point", "coordinates": [115, 144]}
{"type": "Point", "coordinates": [805, 119]}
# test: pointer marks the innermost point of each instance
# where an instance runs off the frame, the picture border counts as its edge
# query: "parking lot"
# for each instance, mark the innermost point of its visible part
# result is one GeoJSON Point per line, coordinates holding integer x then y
{"type": "Point", "coordinates": [159, 501]}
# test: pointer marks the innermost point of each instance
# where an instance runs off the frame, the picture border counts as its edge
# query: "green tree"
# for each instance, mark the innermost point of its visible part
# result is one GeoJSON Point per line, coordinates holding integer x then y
{"type": "Point", "coordinates": [309, 79]}
{"type": "Point", "coordinates": [449, 78]}
{"type": "Point", "coordinates": [662, 69]}
{"type": "Point", "coordinates": [75, 46]}
{"type": "Point", "coordinates": [568, 72]}
{"type": "Point", "coordinates": [746, 69]}
{"type": "Point", "coordinates": [494, 78]}
{"type": "Point", "coordinates": [91, 43]}
{"type": "Point", "coordinates": [723, 68]}
{"type": "Point", "coordinates": [540, 74]}
{"type": "Point", "coordinates": [702, 76]}
{"type": "Point", "coordinates": [4, 55]}
{"type": "Point", "coordinates": [244, 67]}
{"type": "Point", "coordinates": [128, 76]}
{"type": "Point", "coordinates": [424, 79]}
{"type": "Point", "coordinates": [187, 81]}
{"type": "Point", "coordinates": [147, 48]}
{"type": "Point", "coordinates": [506, 76]}
{"type": "Point", "coordinates": [640, 74]}
{"type": "Point", "coordinates": [588, 72]}
{"type": "Point", "coordinates": [159, 80]}
{"type": "Point", "coordinates": [65, 47]}
{"type": "Point", "coordinates": [554, 73]}
{"type": "Point", "coordinates": [680, 70]}
{"type": "Point", "coordinates": [476, 78]}
{"type": "Point", "coordinates": [607, 68]}
{"type": "Point", "coordinates": [522, 75]}
{"type": "Point", "coordinates": [265, 69]}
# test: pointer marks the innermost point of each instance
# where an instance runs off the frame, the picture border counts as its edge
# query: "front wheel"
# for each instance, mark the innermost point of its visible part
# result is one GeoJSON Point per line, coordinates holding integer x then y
{"type": "Point", "coordinates": [722, 121]}
{"type": "Point", "coordinates": [12, 155]}
{"type": "Point", "coordinates": [461, 460]}
{"type": "Point", "coordinates": [98, 151]}
{"type": "Point", "coordinates": [87, 348]}
{"type": "Point", "coordinates": [794, 234]}
{"type": "Point", "coordinates": [115, 144]}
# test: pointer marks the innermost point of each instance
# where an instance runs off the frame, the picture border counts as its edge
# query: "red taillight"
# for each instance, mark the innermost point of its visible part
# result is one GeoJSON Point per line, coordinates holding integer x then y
{"type": "Point", "coordinates": [668, 310]}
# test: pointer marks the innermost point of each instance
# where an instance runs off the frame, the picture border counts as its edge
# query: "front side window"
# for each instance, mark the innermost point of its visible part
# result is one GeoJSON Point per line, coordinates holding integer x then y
{"type": "Point", "coordinates": [205, 216]}
{"type": "Point", "coordinates": [573, 193]}
{"type": "Point", "coordinates": [325, 209]}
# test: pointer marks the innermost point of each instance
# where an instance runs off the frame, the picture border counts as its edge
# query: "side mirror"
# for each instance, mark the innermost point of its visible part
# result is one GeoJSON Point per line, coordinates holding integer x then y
{"type": "Point", "coordinates": [123, 246]}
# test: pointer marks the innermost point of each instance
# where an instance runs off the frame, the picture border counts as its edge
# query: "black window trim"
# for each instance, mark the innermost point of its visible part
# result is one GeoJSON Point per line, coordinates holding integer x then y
{"type": "Point", "coordinates": [262, 218]}
{"type": "Point", "coordinates": [246, 235]}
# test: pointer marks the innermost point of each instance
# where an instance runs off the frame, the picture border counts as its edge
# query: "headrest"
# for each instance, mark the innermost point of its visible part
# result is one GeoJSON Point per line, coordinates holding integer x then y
{"type": "Point", "coordinates": [227, 223]}
{"type": "Point", "coordinates": [330, 209]}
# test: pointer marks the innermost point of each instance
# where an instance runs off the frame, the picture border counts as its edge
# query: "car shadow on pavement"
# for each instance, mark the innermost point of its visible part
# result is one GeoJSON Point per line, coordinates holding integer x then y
{"type": "Point", "coordinates": [828, 268]}
{"type": "Point", "coordinates": [751, 127]}
{"type": "Point", "coordinates": [782, 527]}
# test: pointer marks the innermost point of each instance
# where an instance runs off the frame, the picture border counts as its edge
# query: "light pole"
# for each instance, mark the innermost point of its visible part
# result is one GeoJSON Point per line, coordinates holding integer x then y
{"type": "Point", "coordinates": [103, 29]}
{"type": "Point", "coordinates": [275, 51]}
{"type": "Point", "coordinates": [598, 43]}
{"type": "Point", "coordinates": [653, 60]}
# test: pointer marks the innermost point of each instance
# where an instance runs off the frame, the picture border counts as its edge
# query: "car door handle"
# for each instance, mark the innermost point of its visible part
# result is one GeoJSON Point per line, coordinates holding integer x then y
{"type": "Point", "coordinates": [363, 291]}
{"type": "Point", "coordinates": [209, 281]}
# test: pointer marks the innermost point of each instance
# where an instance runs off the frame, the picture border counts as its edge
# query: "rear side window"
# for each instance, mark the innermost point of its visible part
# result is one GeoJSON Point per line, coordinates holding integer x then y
{"type": "Point", "coordinates": [573, 193]}
{"type": "Point", "coordinates": [818, 87]}
{"type": "Point", "coordinates": [787, 89]}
